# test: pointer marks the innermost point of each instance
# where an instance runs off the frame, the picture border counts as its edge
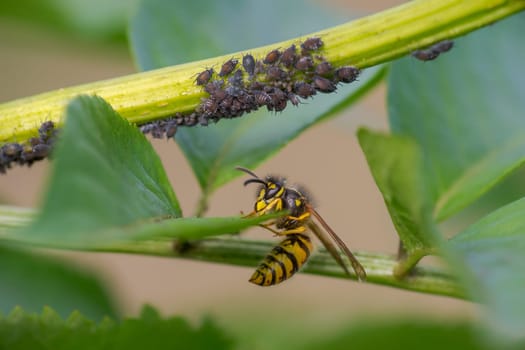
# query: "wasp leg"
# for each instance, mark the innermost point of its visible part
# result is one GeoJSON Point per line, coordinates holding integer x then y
{"type": "Point", "coordinates": [294, 231]}
{"type": "Point", "coordinates": [299, 218]}
{"type": "Point", "coordinates": [267, 226]}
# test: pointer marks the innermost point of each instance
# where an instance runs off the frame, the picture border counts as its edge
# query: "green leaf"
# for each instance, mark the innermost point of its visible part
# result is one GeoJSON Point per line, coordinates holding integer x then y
{"type": "Point", "coordinates": [406, 335]}
{"type": "Point", "coordinates": [492, 252]}
{"type": "Point", "coordinates": [222, 27]}
{"type": "Point", "coordinates": [396, 164]}
{"type": "Point", "coordinates": [32, 281]}
{"type": "Point", "coordinates": [22, 330]}
{"type": "Point", "coordinates": [76, 18]}
{"type": "Point", "coordinates": [465, 110]}
{"type": "Point", "coordinates": [105, 175]}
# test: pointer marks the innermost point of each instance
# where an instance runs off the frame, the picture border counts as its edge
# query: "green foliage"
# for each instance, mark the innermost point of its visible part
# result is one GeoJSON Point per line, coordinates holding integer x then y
{"type": "Point", "coordinates": [464, 111]}
{"type": "Point", "coordinates": [457, 130]}
{"type": "Point", "coordinates": [492, 252]}
{"type": "Point", "coordinates": [402, 334]}
{"type": "Point", "coordinates": [31, 281]}
{"type": "Point", "coordinates": [117, 181]}
{"type": "Point", "coordinates": [470, 138]}
{"type": "Point", "coordinates": [396, 164]}
{"type": "Point", "coordinates": [213, 152]}
{"type": "Point", "coordinates": [22, 330]}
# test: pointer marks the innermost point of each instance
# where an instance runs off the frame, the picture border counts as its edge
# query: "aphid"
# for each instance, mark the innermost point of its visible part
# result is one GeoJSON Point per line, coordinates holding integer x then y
{"type": "Point", "coordinates": [213, 86]}
{"type": "Point", "coordinates": [272, 57]}
{"type": "Point", "coordinates": [346, 74]}
{"type": "Point", "coordinates": [41, 151]}
{"type": "Point", "coordinates": [304, 90]}
{"type": "Point", "coordinates": [261, 98]}
{"type": "Point", "coordinates": [293, 99]}
{"type": "Point", "coordinates": [45, 131]}
{"type": "Point", "coordinates": [275, 73]}
{"type": "Point", "coordinates": [248, 62]}
{"type": "Point", "coordinates": [12, 150]}
{"type": "Point", "coordinates": [312, 44]}
{"type": "Point", "coordinates": [228, 67]}
{"type": "Point", "coordinates": [290, 255]}
{"type": "Point", "coordinates": [324, 69]}
{"type": "Point", "coordinates": [204, 77]}
{"type": "Point", "coordinates": [323, 84]}
{"type": "Point", "coordinates": [432, 52]}
{"type": "Point", "coordinates": [209, 106]}
{"type": "Point", "coordinates": [236, 80]}
{"type": "Point", "coordinates": [289, 57]}
{"type": "Point", "coordinates": [304, 63]}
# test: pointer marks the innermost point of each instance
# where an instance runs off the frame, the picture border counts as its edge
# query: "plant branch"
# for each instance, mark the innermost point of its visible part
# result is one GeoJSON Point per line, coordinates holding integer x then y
{"type": "Point", "coordinates": [243, 252]}
{"type": "Point", "coordinates": [363, 43]}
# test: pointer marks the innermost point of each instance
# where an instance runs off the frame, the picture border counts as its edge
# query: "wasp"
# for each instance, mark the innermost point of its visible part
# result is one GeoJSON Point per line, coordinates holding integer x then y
{"type": "Point", "coordinates": [285, 259]}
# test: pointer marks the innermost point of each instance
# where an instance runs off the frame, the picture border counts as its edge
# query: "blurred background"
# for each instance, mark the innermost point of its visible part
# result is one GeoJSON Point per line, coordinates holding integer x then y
{"type": "Point", "coordinates": [37, 57]}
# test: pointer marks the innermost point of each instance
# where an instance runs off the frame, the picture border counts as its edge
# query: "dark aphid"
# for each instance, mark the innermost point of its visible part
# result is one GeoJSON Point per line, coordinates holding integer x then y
{"type": "Point", "coordinates": [209, 106]}
{"type": "Point", "coordinates": [433, 51]}
{"type": "Point", "coordinates": [234, 91]}
{"type": "Point", "coordinates": [213, 86]}
{"type": "Point", "coordinates": [157, 131]}
{"type": "Point", "coordinates": [346, 74]}
{"type": "Point", "coordinates": [219, 95]}
{"type": "Point", "coordinates": [304, 90]}
{"type": "Point", "coordinates": [324, 69]}
{"type": "Point", "coordinates": [171, 129]}
{"type": "Point", "coordinates": [304, 63]}
{"type": "Point", "coordinates": [12, 150]}
{"type": "Point", "coordinates": [191, 119]}
{"type": "Point", "coordinates": [237, 79]}
{"type": "Point", "coordinates": [323, 84]}
{"type": "Point", "coordinates": [425, 55]}
{"type": "Point", "coordinates": [228, 67]}
{"type": "Point", "coordinates": [279, 99]}
{"type": "Point", "coordinates": [294, 99]}
{"type": "Point", "coordinates": [248, 62]}
{"type": "Point", "coordinates": [289, 56]}
{"type": "Point", "coordinates": [41, 151]}
{"type": "Point", "coordinates": [312, 44]}
{"type": "Point", "coordinates": [46, 130]}
{"type": "Point", "coordinates": [261, 98]}
{"type": "Point", "coordinates": [275, 73]}
{"type": "Point", "coordinates": [33, 141]}
{"type": "Point", "coordinates": [443, 46]}
{"type": "Point", "coordinates": [272, 57]}
{"type": "Point", "coordinates": [204, 77]}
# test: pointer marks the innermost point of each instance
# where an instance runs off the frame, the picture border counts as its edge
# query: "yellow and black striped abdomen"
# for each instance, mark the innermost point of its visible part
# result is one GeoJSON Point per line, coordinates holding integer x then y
{"type": "Point", "coordinates": [283, 261]}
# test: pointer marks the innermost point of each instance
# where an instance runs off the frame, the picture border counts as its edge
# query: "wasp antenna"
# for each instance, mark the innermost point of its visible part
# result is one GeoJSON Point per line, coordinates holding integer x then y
{"type": "Point", "coordinates": [249, 181]}
{"type": "Point", "coordinates": [247, 171]}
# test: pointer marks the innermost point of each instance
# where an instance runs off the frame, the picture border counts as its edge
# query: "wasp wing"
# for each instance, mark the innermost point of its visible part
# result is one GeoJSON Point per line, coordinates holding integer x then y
{"type": "Point", "coordinates": [358, 268]}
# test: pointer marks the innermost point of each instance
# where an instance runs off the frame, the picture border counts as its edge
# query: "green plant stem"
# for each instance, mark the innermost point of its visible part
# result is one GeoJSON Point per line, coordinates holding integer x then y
{"type": "Point", "coordinates": [363, 43]}
{"type": "Point", "coordinates": [407, 264]}
{"type": "Point", "coordinates": [243, 252]}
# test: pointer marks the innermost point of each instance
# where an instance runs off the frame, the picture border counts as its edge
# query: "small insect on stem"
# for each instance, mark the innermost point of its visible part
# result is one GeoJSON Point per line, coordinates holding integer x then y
{"type": "Point", "coordinates": [433, 52]}
{"type": "Point", "coordinates": [285, 259]}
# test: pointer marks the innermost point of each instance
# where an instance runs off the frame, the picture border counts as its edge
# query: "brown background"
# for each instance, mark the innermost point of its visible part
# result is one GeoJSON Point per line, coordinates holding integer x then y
{"type": "Point", "coordinates": [33, 61]}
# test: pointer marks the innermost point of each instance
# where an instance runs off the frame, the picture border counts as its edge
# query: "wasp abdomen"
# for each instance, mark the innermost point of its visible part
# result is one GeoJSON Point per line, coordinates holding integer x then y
{"type": "Point", "coordinates": [283, 261]}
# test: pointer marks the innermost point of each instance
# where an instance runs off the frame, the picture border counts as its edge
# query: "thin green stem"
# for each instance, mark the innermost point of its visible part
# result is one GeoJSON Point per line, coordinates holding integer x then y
{"type": "Point", "coordinates": [243, 252]}
{"type": "Point", "coordinates": [407, 264]}
{"type": "Point", "coordinates": [363, 43]}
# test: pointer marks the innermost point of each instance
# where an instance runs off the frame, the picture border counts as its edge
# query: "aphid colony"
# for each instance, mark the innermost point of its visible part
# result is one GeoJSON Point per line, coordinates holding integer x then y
{"type": "Point", "coordinates": [241, 86]}
{"type": "Point", "coordinates": [37, 148]}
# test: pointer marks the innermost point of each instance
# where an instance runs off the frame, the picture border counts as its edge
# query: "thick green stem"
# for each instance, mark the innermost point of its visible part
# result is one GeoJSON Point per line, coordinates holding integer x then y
{"type": "Point", "coordinates": [363, 43]}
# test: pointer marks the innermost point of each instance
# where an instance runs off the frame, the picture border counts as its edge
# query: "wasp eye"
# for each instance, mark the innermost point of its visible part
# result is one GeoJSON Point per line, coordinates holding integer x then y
{"type": "Point", "coordinates": [272, 190]}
